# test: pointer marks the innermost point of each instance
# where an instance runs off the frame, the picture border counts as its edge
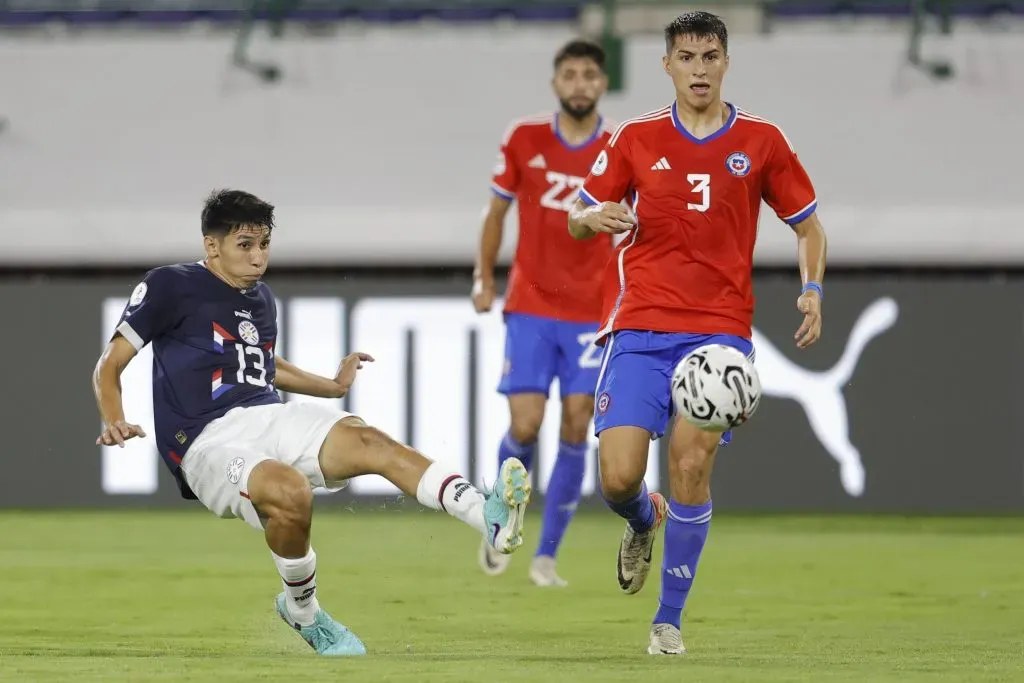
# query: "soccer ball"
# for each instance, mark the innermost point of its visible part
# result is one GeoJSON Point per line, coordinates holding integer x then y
{"type": "Point", "coordinates": [716, 388]}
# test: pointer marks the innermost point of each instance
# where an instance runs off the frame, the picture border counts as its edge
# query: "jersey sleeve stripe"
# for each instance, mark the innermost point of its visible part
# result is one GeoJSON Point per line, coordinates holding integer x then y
{"type": "Point", "coordinates": [747, 116]}
{"type": "Point", "coordinates": [502, 192]}
{"type": "Point", "coordinates": [649, 116]}
{"type": "Point", "coordinates": [802, 214]}
{"type": "Point", "coordinates": [587, 198]}
{"type": "Point", "coordinates": [131, 335]}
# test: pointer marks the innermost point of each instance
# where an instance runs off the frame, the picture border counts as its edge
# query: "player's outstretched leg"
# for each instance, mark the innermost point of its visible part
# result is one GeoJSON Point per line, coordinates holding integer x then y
{"type": "Point", "coordinates": [520, 442]}
{"type": "Point", "coordinates": [623, 456]}
{"type": "Point", "coordinates": [352, 448]}
{"type": "Point", "coordinates": [564, 488]}
{"type": "Point", "coordinates": [284, 499]}
{"type": "Point", "coordinates": [691, 459]}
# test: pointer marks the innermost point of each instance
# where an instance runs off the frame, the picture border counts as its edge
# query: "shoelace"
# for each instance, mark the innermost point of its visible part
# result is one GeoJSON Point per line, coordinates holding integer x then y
{"type": "Point", "coordinates": [665, 633]}
{"type": "Point", "coordinates": [322, 634]}
{"type": "Point", "coordinates": [636, 543]}
{"type": "Point", "coordinates": [488, 491]}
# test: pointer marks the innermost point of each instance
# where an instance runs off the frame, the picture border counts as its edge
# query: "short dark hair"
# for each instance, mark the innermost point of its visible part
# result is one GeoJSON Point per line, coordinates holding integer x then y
{"type": "Point", "coordinates": [698, 24]}
{"type": "Point", "coordinates": [225, 211]}
{"type": "Point", "coordinates": [576, 49]}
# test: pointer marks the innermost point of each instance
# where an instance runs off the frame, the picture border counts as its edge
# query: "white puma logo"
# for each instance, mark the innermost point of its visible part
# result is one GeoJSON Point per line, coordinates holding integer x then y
{"type": "Point", "coordinates": [820, 394]}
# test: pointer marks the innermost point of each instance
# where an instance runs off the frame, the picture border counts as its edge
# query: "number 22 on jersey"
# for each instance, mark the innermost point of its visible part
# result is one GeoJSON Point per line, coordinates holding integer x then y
{"type": "Point", "coordinates": [562, 193]}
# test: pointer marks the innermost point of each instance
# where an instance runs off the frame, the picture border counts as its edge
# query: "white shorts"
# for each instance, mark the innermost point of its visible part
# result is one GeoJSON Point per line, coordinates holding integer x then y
{"type": "Point", "coordinates": [218, 463]}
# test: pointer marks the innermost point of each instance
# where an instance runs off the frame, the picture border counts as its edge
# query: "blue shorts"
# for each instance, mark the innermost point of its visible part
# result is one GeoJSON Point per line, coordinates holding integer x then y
{"type": "Point", "coordinates": [635, 387]}
{"type": "Point", "coordinates": [538, 349]}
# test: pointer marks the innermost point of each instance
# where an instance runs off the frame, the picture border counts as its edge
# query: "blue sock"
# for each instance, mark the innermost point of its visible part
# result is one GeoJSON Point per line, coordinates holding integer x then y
{"type": "Point", "coordinates": [686, 531]}
{"type": "Point", "coordinates": [510, 448]}
{"type": "Point", "coordinates": [638, 510]}
{"type": "Point", "coordinates": [562, 496]}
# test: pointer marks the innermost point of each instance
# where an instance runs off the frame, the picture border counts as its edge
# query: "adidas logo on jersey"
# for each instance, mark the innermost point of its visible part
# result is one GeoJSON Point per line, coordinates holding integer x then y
{"type": "Point", "coordinates": [538, 162]}
{"type": "Point", "coordinates": [661, 165]}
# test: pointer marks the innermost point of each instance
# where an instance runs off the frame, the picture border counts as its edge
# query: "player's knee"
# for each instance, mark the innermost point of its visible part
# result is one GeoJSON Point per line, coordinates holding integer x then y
{"type": "Point", "coordinates": [693, 460]}
{"type": "Point", "coordinates": [361, 436]}
{"type": "Point", "coordinates": [525, 426]}
{"type": "Point", "coordinates": [353, 448]}
{"type": "Point", "coordinates": [623, 461]}
{"type": "Point", "coordinates": [297, 497]}
{"type": "Point", "coordinates": [620, 480]}
{"type": "Point", "coordinates": [282, 493]}
{"type": "Point", "coordinates": [350, 436]}
{"type": "Point", "coordinates": [619, 485]}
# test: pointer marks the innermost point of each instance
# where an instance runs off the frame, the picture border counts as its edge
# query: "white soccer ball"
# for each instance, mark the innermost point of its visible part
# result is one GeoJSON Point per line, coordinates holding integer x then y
{"type": "Point", "coordinates": [716, 388]}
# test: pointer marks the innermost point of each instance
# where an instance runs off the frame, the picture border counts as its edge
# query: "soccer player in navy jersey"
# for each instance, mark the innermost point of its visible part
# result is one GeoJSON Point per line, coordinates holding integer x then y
{"type": "Point", "coordinates": [229, 440]}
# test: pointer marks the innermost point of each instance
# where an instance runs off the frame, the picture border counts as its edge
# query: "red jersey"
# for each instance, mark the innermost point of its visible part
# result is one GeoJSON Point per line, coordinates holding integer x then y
{"type": "Point", "coordinates": [552, 274]}
{"type": "Point", "coordinates": [686, 266]}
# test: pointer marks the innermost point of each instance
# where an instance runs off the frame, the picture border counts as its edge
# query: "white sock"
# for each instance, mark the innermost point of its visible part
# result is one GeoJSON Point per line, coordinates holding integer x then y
{"type": "Point", "coordinates": [299, 579]}
{"type": "Point", "coordinates": [442, 489]}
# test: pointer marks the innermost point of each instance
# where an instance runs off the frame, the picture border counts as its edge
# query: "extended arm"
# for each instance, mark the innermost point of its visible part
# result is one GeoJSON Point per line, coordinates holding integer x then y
{"type": "Point", "coordinates": [295, 380]}
{"type": "Point", "coordinates": [106, 385]}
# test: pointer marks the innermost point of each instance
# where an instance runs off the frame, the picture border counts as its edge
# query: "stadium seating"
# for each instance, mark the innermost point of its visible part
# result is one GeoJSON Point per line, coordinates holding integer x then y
{"type": "Point", "coordinates": [80, 12]}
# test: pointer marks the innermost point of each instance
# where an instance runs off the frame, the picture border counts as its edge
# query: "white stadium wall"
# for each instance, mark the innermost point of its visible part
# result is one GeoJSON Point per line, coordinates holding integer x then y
{"type": "Point", "coordinates": [377, 145]}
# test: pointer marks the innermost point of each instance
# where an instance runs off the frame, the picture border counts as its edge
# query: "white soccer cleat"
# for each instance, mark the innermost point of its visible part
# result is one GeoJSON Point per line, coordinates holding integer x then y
{"type": "Point", "coordinates": [491, 561]}
{"type": "Point", "coordinates": [666, 640]}
{"type": "Point", "coordinates": [635, 549]}
{"type": "Point", "coordinates": [543, 574]}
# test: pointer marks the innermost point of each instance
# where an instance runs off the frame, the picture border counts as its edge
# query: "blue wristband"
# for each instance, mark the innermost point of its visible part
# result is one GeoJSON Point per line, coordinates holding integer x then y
{"type": "Point", "coordinates": [813, 286]}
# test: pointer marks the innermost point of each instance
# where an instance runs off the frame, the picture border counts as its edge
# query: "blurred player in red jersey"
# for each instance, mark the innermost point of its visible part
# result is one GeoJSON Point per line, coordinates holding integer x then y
{"type": "Point", "coordinates": [694, 174]}
{"type": "Point", "coordinates": [553, 300]}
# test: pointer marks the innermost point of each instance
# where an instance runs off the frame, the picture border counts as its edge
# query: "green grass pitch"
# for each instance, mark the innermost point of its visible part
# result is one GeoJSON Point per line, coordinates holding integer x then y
{"type": "Point", "coordinates": [147, 596]}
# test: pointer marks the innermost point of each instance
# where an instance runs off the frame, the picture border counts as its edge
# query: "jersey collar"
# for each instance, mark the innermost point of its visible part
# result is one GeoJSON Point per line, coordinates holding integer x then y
{"type": "Point", "coordinates": [714, 136]}
{"type": "Point", "coordinates": [593, 136]}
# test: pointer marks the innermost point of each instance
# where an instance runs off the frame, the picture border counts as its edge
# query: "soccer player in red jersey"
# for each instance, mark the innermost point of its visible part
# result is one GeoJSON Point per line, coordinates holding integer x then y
{"type": "Point", "coordinates": [694, 174]}
{"type": "Point", "coordinates": [553, 299]}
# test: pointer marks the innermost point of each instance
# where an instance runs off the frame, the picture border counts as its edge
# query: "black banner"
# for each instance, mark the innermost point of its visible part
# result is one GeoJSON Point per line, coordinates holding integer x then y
{"type": "Point", "coordinates": [908, 403]}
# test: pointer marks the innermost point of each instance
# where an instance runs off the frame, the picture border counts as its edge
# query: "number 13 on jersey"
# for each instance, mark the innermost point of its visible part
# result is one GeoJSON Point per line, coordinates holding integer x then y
{"type": "Point", "coordinates": [700, 183]}
{"type": "Point", "coordinates": [254, 373]}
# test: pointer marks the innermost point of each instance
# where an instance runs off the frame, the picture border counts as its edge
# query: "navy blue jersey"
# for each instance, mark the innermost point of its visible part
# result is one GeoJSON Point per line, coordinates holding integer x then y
{"type": "Point", "coordinates": [213, 350]}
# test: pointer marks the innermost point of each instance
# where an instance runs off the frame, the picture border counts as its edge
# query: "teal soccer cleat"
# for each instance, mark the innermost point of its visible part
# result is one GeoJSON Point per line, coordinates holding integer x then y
{"type": "Point", "coordinates": [325, 635]}
{"type": "Point", "coordinates": [505, 509]}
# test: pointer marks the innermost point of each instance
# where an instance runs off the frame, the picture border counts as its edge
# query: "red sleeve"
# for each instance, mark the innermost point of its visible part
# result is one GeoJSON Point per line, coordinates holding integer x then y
{"type": "Point", "coordinates": [505, 176]}
{"type": "Point", "coordinates": [612, 173]}
{"type": "Point", "coordinates": [788, 189]}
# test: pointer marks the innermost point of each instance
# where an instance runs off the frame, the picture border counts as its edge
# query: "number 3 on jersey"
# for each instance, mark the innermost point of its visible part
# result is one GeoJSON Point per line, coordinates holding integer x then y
{"type": "Point", "coordinates": [701, 184]}
{"type": "Point", "coordinates": [556, 197]}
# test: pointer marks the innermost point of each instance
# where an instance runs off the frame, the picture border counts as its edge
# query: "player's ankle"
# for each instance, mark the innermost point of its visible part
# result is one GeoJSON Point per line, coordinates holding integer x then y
{"type": "Point", "coordinates": [441, 489]}
{"type": "Point", "coordinates": [305, 614]}
{"type": "Point", "coordinates": [668, 615]}
{"type": "Point", "coordinates": [299, 578]}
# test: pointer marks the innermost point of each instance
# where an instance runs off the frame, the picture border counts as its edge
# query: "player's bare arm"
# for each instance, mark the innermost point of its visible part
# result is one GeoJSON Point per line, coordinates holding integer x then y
{"type": "Point", "coordinates": [613, 218]}
{"type": "Point", "coordinates": [106, 385]}
{"type": "Point", "coordinates": [484, 289]}
{"type": "Point", "coordinates": [812, 247]}
{"type": "Point", "coordinates": [295, 380]}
